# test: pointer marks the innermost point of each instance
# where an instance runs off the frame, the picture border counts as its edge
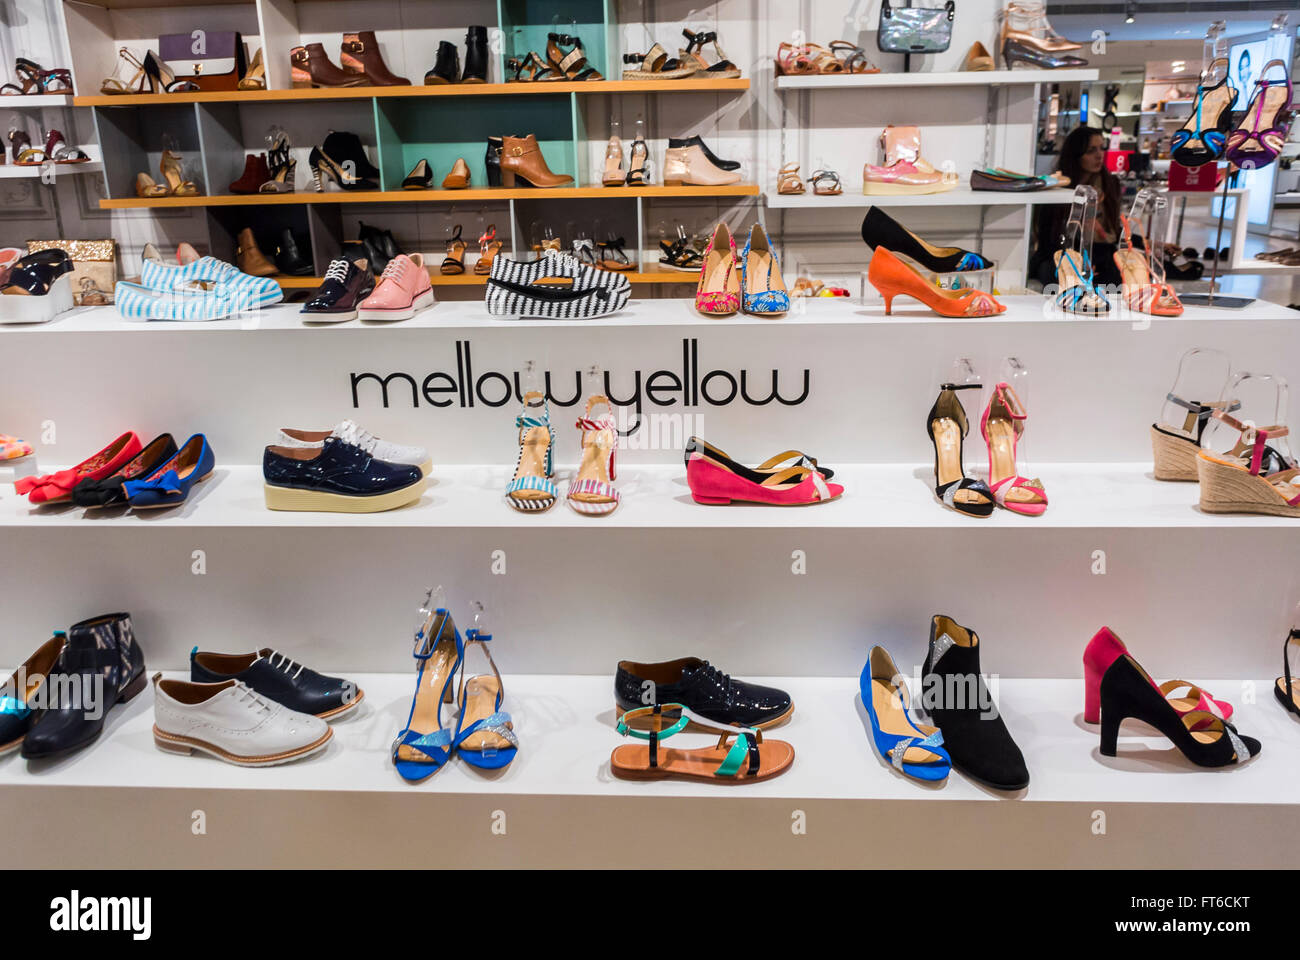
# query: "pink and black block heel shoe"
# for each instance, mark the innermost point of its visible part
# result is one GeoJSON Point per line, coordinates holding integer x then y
{"type": "Point", "coordinates": [1105, 648]}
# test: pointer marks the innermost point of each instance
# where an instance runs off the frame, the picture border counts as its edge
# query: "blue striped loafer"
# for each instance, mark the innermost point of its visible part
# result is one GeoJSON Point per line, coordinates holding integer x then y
{"type": "Point", "coordinates": [249, 290]}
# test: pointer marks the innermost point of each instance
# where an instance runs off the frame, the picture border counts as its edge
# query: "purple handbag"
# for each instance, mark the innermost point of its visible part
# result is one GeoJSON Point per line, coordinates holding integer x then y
{"type": "Point", "coordinates": [211, 59]}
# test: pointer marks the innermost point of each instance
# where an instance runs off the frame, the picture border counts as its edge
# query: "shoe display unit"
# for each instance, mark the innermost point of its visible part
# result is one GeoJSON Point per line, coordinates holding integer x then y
{"type": "Point", "coordinates": [966, 527]}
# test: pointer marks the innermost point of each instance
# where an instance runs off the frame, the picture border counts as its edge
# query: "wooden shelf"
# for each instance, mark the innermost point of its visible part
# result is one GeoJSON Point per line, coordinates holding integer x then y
{"type": "Point", "coordinates": [650, 275]}
{"type": "Point", "coordinates": [430, 196]}
{"type": "Point", "coordinates": [444, 90]}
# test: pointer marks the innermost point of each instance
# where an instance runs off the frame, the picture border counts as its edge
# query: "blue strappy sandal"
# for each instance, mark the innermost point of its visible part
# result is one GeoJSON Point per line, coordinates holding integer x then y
{"type": "Point", "coordinates": [489, 741]}
{"type": "Point", "coordinates": [528, 491]}
{"type": "Point", "coordinates": [1196, 146]}
{"type": "Point", "coordinates": [424, 745]}
{"type": "Point", "coordinates": [1078, 292]}
{"type": "Point", "coordinates": [916, 751]}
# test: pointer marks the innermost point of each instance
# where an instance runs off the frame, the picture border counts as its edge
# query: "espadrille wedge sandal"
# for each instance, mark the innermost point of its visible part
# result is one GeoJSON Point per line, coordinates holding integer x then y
{"type": "Point", "coordinates": [1174, 448]}
{"type": "Point", "coordinates": [1229, 485]}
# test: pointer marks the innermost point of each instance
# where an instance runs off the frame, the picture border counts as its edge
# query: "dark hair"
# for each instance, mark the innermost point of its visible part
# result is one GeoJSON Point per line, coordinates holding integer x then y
{"type": "Point", "coordinates": [1072, 151]}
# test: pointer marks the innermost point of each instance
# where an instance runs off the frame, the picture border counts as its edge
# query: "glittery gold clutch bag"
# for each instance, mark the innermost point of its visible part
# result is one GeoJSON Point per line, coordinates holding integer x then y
{"type": "Point", "coordinates": [94, 267]}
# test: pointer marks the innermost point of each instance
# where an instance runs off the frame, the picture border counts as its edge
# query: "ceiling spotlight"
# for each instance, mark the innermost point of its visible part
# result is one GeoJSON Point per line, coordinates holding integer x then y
{"type": "Point", "coordinates": [1130, 11]}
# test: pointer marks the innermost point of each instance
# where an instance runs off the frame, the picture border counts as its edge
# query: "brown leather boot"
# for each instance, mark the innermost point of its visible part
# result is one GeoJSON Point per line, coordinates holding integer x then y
{"type": "Point", "coordinates": [250, 259]}
{"type": "Point", "coordinates": [522, 158]}
{"type": "Point", "coordinates": [311, 67]}
{"type": "Point", "coordinates": [360, 54]}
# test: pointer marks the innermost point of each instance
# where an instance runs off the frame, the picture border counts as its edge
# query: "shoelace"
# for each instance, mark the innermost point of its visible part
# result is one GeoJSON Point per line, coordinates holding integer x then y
{"type": "Point", "coordinates": [713, 673]}
{"type": "Point", "coordinates": [284, 663]}
{"type": "Point", "coordinates": [250, 696]}
{"type": "Point", "coordinates": [349, 432]}
{"type": "Point", "coordinates": [396, 267]}
{"type": "Point", "coordinates": [338, 270]}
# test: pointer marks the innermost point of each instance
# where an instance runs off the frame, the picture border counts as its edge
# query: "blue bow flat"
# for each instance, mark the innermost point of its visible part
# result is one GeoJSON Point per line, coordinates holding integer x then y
{"type": "Point", "coordinates": [913, 750]}
{"type": "Point", "coordinates": [170, 484]}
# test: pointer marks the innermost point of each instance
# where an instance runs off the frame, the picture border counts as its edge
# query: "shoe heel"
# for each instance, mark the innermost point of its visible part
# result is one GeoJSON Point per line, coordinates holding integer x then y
{"type": "Point", "coordinates": [1091, 694]}
{"type": "Point", "coordinates": [1172, 459]}
{"type": "Point", "coordinates": [674, 183]}
{"type": "Point", "coordinates": [889, 303]}
{"type": "Point", "coordinates": [713, 501]}
{"type": "Point", "coordinates": [133, 688]}
{"type": "Point", "coordinates": [172, 746]}
{"type": "Point", "coordinates": [316, 176]}
{"type": "Point", "coordinates": [1110, 733]}
{"type": "Point", "coordinates": [507, 178]}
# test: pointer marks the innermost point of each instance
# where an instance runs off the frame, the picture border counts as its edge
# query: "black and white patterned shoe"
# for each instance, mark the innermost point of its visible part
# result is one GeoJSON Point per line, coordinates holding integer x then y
{"type": "Point", "coordinates": [571, 291]}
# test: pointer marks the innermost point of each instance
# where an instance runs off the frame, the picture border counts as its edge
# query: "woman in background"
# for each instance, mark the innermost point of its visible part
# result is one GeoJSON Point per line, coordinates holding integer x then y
{"type": "Point", "coordinates": [1082, 161]}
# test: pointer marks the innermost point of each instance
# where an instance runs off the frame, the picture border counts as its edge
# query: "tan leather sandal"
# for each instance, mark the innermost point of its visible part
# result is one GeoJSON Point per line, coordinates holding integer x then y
{"type": "Point", "coordinates": [788, 181]}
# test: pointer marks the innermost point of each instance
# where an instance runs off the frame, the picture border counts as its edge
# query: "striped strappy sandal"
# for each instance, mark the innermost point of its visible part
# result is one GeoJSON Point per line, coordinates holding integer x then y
{"type": "Point", "coordinates": [591, 491]}
{"type": "Point", "coordinates": [532, 490]}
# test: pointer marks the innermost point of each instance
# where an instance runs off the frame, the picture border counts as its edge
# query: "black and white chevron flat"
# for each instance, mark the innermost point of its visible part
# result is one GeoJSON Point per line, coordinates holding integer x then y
{"type": "Point", "coordinates": [555, 287]}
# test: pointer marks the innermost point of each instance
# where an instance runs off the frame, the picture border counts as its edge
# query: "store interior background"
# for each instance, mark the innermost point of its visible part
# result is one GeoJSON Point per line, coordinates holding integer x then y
{"type": "Point", "coordinates": [762, 128]}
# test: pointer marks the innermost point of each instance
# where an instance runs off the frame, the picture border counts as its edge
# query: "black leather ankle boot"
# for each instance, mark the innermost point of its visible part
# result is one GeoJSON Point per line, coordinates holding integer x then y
{"type": "Point", "coordinates": [100, 666]}
{"type": "Point", "coordinates": [476, 56]}
{"type": "Point", "coordinates": [492, 160]}
{"type": "Point", "coordinates": [958, 702]}
{"type": "Point", "coordinates": [446, 65]}
{"type": "Point", "coordinates": [289, 258]}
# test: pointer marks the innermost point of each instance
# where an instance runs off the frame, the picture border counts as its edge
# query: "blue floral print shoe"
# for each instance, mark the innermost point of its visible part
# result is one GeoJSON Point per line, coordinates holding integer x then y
{"type": "Point", "coordinates": [763, 290]}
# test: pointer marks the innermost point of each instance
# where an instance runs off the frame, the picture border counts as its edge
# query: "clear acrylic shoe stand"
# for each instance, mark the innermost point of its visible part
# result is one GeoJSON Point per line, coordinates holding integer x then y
{"type": "Point", "coordinates": [1202, 378]}
{"type": "Point", "coordinates": [1263, 399]}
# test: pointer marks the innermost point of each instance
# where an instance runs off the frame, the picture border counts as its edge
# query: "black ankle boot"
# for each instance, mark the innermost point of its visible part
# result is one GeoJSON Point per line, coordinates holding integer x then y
{"type": "Point", "coordinates": [289, 259]}
{"type": "Point", "coordinates": [728, 165]}
{"type": "Point", "coordinates": [446, 65]}
{"type": "Point", "coordinates": [492, 160]}
{"type": "Point", "coordinates": [342, 146]}
{"type": "Point", "coordinates": [957, 701]}
{"type": "Point", "coordinates": [476, 56]}
{"type": "Point", "coordinates": [380, 246]}
{"type": "Point", "coordinates": [100, 666]}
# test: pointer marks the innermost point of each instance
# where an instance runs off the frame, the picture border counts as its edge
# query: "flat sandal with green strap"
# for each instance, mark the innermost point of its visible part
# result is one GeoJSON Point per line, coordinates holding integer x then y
{"type": "Point", "coordinates": [739, 756]}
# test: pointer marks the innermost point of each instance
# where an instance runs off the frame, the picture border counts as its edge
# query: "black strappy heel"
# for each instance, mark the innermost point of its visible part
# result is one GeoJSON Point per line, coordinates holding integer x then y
{"type": "Point", "coordinates": [636, 161]}
{"type": "Point", "coordinates": [613, 256]}
{"type": "Point", "coordinates": [451, 264]}
{"type": "Point", "coordinates": [1206, 740]}
{"type": "Point", "coordinates": [1283, 689]}
{"type": "Point", "coordinates": [950, 414]}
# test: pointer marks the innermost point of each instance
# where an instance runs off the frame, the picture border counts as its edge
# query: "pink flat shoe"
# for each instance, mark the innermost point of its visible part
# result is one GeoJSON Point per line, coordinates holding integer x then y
{"type": "Point", "coordinates": [403, 291]}
{"type": "Point", "coordinates": [901, 177]}
{"type": "Point", "coordinates": [1105, 648]}
{"type": "Point", "coordinates": [716, 479]}
{"type": "Point", "coordinates": [1002, 425]}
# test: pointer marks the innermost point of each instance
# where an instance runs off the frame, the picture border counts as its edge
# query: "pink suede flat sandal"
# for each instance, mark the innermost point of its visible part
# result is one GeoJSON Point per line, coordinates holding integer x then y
{"type": "Point", "coordinates": [717, 481]}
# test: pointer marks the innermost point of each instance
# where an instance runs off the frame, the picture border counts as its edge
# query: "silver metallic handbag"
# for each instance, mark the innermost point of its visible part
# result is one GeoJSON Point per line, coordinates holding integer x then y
{"type": "Point", "coordinates": [915, 29]}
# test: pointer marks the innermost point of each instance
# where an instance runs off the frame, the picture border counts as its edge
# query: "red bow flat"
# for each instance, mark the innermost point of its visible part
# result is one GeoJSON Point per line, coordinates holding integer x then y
{"type": "Point", "coordinates": [57, 487]}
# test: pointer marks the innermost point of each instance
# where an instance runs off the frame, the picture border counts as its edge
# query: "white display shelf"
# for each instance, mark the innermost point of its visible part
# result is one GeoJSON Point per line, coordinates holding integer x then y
{"type": "Point", "coordinates": [471, 315]}
{"type": "Point", "coordinates": [566, 731]}
{"type": "Point", "coordinates": [34, 101]}
{"type": "Point", "coordinates": [960, 196]}
{"type": "Point", "coordinates": [1083, 496]}
{"type": "Point", "coordinates": [13, 171]}
{"type": "Point", "coordinates": [1258, 267]}
{"type": "Point", "coordinates": [952, 78]}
